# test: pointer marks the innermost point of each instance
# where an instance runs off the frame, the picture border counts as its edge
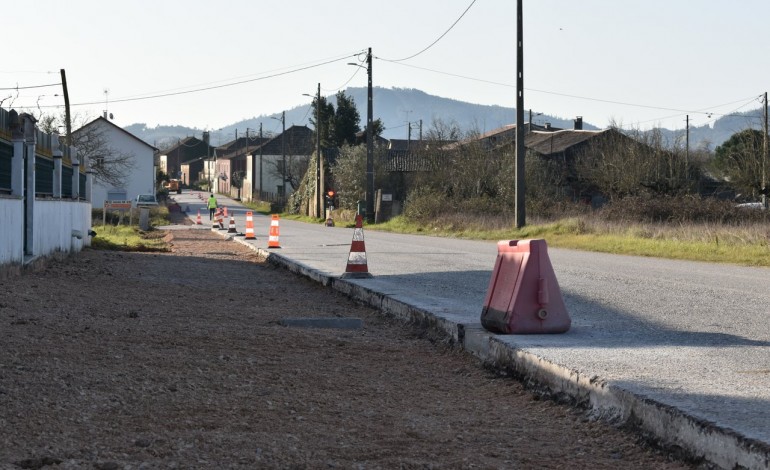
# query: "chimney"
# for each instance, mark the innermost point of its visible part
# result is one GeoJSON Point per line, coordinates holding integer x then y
{"type": "Point", "coordinates": [579, 123]}
{"type": "Point", "coordinates": [206, 136]}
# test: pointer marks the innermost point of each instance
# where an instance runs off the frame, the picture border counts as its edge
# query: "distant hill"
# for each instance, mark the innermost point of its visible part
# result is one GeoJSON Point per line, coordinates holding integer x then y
{"type": "Point", "coordinates": [394, 106]}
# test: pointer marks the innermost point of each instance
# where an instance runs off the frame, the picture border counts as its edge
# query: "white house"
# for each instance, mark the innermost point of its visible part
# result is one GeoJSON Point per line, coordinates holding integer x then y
{"type": "Point", "coordinates": [264, 164]}
{"type": "Point", "coordinates": [140, 174]}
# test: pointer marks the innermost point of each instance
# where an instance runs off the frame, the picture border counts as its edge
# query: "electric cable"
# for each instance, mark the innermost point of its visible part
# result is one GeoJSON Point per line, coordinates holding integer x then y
{"type": "Point", "coordinates": [439, 38]}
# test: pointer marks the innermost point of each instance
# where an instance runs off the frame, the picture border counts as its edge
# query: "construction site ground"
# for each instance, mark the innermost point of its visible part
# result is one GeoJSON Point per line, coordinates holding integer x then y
{"type": "Point", "coordinates": [117, 360]}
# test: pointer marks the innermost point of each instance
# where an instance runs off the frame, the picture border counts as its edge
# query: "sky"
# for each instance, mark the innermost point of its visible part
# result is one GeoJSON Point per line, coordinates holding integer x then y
{"type": "Point", "coordinates": [203, 64]}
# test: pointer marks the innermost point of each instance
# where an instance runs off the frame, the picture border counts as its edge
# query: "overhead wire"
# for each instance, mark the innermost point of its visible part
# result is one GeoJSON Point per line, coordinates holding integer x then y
{"type": "Point", "coordinates": [289, 69]}
{"type": "Point", "coordinates": [358, 69]}
{"type": "Point", "coordinates": [708, 113]}
{"type": "Point", "coordinates": [213, 87]}
{"type": "Point", "coordinates": [31, 86]}
{"type": "Point", "coordinates": [439, 38]}
{"type": "Point", "coordinates": [600, 100]}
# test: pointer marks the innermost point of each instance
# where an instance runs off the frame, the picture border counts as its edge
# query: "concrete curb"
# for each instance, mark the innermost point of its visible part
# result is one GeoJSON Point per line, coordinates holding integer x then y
{"type": "Point", "coordinates": [666, 425]}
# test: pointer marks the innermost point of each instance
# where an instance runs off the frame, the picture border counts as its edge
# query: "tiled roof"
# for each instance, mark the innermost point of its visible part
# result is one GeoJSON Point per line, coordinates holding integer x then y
{"type": "Point", "coordinates": [549, 143]}
{"type": "Point", "coordinates": [299, 141]}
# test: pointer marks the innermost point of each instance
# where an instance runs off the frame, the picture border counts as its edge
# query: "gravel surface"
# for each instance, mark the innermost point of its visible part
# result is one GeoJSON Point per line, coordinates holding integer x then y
{"type": "Point", "coordinates": [115, 360]}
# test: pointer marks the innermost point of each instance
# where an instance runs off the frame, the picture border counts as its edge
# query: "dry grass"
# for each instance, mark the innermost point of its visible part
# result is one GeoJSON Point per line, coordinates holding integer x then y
{"type": "Point", "coordinates": [737, 243]}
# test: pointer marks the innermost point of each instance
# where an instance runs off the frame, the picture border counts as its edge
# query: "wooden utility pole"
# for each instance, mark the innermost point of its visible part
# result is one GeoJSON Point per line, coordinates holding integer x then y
{"type": "Point", "coordinates": [520, 149]}
{"type": "Point", "coordinates": [67, 117]}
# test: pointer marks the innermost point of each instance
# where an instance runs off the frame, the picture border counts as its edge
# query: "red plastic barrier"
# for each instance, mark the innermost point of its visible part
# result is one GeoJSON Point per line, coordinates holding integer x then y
{"type": "Point", "coordinates": [523, 295]}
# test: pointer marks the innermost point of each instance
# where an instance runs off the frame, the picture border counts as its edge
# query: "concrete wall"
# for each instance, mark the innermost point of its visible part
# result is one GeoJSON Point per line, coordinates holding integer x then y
{"type": "Point", "coordinates": [54, 224]}
{"type": "Point", "coordinates": [11, 231]}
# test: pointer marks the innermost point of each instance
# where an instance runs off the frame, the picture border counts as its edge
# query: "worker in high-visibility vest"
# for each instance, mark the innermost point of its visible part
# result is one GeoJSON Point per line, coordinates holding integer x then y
{"type": "Point", "coordinates": [212, 205]}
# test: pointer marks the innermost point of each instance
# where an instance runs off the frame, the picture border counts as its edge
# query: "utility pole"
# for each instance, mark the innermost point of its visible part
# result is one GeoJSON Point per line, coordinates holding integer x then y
{"type": "Point", "coordinates": [319, 190]}
{"type": "Point", "coordinates": [687, 151]}
{"type": "Point", "coordinates": [764, 156]}
{"type": "Point", "coordinates": [369, 145]}
{"type": "Point", "coordinates": [283, 151]}
{"type": "Point", "coordinates": [67, 117]}
{"type": "Point", "coordinates": [420, 130]}
{"type": "Point", "coordinates": [260, 161]}
{"type": "Point", "coordinates": [520, 149]}
{"type": "Point", "coordinates": [409, 136]}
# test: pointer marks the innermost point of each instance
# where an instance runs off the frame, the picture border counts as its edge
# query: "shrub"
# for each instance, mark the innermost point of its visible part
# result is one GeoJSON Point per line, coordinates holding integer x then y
{"type": "Point", "coordinates": [679, 209]}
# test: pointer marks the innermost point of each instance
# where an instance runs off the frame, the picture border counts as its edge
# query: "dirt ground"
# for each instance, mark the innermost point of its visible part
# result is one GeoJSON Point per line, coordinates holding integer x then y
{"type": "Point", "coordinates": [115, 360]}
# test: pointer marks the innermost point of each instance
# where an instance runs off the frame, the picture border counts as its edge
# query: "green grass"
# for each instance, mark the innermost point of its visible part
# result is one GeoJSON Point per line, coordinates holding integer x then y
{"type": "Point", "coordinates": [746, 245]}
{"type": "Point", "coordinates": [120, 236]}
{"type": "Point", "coordinates": [261, 207]}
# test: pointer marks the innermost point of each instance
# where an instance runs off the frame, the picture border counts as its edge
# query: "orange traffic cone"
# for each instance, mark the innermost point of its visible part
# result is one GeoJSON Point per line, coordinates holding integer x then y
{"type": "Point", "coordinates": [231, 226]}
{"type": "Point", "coordinates": [272, 241]}
{"type": "Point", "coordinates": [198, 220]}
{"type": "Point", "coordinates": [225, 211]}
{"type": "Point", "coordinates": [250, 226]}
{"type": "Point", "coordinates": [215, 220]}
{"type": "Point", "coordinates": [357, 267]}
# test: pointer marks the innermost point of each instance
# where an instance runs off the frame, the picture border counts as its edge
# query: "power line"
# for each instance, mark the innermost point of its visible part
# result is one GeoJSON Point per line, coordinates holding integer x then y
{"type": "Point", "coordinates": [600, 100]}
{"type": "Point", "coordinates": [708, 113]}
{"type": "Point", "coordinates": [439, 38]}
{"type": "Point", "coordinates": [31, 86]}
{"type": "Point", "coordinates": [358, 69]}
{"type": "Point", "coordinates": [289, 68]}
{"type": "Point", "coordinates": [197, 90]}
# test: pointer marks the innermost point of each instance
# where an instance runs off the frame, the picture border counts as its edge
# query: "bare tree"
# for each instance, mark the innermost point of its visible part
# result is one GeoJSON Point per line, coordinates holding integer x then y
{"type": "Point", "coordinates": [632, 163]}
{"type": "Point", "coordinates": [296, 167]}
{"type": "Point", "coordinates": [110, 165]}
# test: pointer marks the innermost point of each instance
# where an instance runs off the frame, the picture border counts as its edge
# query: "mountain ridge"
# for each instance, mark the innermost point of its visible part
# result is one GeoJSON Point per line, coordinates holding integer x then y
{"type": "Point", "coordinates": [396, 107]}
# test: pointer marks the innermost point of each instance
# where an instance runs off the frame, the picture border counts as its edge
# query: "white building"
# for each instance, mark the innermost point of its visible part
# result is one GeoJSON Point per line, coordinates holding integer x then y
{"type": "Point", "coordinates": [141, 170]}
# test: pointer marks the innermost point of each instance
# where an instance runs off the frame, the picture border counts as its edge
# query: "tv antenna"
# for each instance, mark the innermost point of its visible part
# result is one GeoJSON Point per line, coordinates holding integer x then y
{"type": "Point", "coordinates": [106, 95]}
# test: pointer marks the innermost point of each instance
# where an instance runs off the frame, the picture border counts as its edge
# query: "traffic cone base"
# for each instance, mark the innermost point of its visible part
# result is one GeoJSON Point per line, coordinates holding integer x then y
{"type": "Point", "coordinates": [357, 267]}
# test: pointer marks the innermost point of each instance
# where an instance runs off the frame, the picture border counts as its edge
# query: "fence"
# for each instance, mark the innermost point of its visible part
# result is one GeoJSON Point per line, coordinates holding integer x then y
{"type": "Point", "coordinates": [44, 214]}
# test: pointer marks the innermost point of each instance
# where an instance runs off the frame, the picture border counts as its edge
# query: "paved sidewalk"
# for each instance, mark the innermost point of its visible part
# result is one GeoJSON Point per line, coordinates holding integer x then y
{"type": "Point", "coordinates": [681, 350]}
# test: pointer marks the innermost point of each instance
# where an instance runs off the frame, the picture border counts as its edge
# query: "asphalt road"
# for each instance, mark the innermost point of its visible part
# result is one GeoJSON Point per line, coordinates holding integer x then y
{"type": "Point", "coordinates": [687, 341]}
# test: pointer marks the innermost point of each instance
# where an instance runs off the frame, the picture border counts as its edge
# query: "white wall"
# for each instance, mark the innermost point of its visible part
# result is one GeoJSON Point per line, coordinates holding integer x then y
{"type": "Point", "coordinates": [11, 230]}
{"type": "Point", "coordinates": [141, 179]}
{"type": "Point", "coordinates": [54, 223]}
{"type": "Point", "coordinates": [270, 181]}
